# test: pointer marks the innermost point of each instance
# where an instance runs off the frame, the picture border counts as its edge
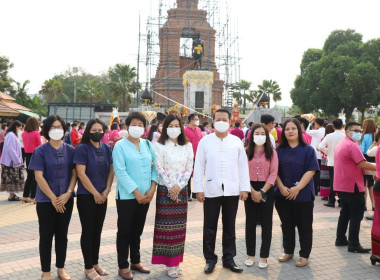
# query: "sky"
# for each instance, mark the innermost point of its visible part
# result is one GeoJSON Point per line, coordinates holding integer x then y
{"type": "Point", "coordinates": [46, 37]}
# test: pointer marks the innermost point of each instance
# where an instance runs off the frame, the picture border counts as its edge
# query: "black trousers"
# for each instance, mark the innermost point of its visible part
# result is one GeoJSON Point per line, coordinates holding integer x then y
{"type": "Point", "coordinates": [92, 217]}
{"type": "Point", "coordinates": [30, 183]}
{"type": "Point", "coordinates": [332, 193]}
{"type": "Point", "coordinates": [296, 214]}
{"type": "Point", "coordinates": [54, 224]}
{"type": "Point", "coordinates": [211, 209]}
{"type": "Point", "coordinates": [262, 212]}
{"type": "Point", "coordinates": [352, 212]}
{"type": "Point", "coordinates": [130, 225]}
{"type": "Point", "coordinates": [189, 187]}
{"type": "Point", "coordinates": [317, 178]}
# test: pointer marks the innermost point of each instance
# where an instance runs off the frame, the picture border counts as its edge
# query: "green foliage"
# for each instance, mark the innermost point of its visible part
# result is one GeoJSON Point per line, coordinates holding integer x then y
{"type": "Point", "coordinates": [270, 88]}
{"type": "Point", "coordinates": [121, 83]}
{"type": "Point", "coordinates": [5, 80]}
{"type": "Point", "coordinates": [342, 77]}
{"type": "Point", "coordinates": [52, 92]}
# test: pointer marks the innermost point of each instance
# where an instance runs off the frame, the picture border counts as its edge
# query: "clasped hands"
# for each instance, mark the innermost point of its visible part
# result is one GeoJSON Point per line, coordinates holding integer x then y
{"type": "Point", "coordinates": [60, 201]}
{"type": "Point", "coordinates": [290, 193]}
{"type": "Point", "coordinates": [145, 198]}
{"type": "Point", "coordinates": [100, 198]}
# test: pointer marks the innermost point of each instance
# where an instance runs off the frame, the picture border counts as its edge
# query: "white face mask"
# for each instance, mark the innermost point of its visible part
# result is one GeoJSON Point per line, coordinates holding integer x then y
{"type": "Point", "coordinates": [56, 134]}
{"type": "Point", "coordinates": [196, 123]}
{"type": "Point", "coordinates": [259, 139]}
{"type": "Point", "coordinates": [136, 131]}
{"type": "Point", "coordinates": [173, 132]}
{"type": "Point", "coordinates": [221, 126]}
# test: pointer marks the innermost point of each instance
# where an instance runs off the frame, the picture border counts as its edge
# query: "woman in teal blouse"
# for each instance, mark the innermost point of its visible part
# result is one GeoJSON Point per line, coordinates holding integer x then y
{"type": "Point", "coordinates": [136, 174]}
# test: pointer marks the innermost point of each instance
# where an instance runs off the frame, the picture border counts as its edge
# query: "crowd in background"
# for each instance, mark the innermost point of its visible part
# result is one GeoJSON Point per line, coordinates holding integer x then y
{"type": "Point", "coordinates": [267, 165]}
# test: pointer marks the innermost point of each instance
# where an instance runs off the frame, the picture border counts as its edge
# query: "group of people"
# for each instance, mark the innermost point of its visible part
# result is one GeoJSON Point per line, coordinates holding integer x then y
{"type": "Point", "coordinates": [266, 168]}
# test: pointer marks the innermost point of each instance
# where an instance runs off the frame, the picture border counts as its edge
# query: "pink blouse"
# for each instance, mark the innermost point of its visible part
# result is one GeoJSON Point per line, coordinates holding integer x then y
{"type": "Point", "coordinates": [263, 170]}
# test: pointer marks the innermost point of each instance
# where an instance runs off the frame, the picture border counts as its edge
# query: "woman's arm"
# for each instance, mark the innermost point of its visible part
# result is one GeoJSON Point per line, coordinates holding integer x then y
{"type": "Point", "coordinates": [293, 192]}
{"type": "Point", "coordinates": [63, 198]}
{"type": "Point", "coordinates": [45, 188]}
{"type": "Point", "coordinates": [106, 192]}
{"type": "Point", "coordinates": [283, 189]}
{"type": "Point", "coordinates": [86, 182]}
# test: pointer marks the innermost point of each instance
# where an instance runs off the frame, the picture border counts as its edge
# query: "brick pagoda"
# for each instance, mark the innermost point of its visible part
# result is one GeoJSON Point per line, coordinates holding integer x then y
{"type": "Point", "coordinates": [185, 21]}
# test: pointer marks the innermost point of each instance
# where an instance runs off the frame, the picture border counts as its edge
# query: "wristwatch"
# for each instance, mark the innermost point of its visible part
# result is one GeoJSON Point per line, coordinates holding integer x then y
{"type": "Point", "coordinates": [70, 191]}
{"type": "Point", "coordinates": [262, 192]}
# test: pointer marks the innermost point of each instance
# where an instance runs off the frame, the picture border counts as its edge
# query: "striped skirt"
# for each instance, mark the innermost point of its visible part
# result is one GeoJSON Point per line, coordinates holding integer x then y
{"type": "Point", "coordinates": [375, 233]}
{"type": "Point", "coordinates": [169, 228]}
{"type": "Point", "coordinates": [325, 179]}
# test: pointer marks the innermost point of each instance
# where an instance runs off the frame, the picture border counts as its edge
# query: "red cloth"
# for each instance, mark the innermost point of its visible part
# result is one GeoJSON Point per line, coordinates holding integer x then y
{"type": "Point", "coordinates": [31, 141]}
{"type": "Point", "coordinates": [279, 132]}
{"type": "Point", "coordinates": [75, 140]}
{"type": "Point", "coordinates": [375, 232]}
{"type": "Point", "coordinates": [238, 132]}
{"type": "Point", "coordinates": [347, 171]}
{"type": "Point", "coordinates": [194, 136]}
{"type": "Point", "coordinates": [377, 157]}
{"type": "Point", "coordinates": [105, 138]}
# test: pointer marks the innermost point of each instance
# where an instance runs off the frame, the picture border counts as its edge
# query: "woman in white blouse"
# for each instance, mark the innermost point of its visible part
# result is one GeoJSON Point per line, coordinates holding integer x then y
{"type": "Point", "coordinates": [174, 163]}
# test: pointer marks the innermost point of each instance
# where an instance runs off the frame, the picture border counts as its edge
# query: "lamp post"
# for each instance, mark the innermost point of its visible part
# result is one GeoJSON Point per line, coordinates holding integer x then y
{"type": "Point", "coordinates": [75, 71]}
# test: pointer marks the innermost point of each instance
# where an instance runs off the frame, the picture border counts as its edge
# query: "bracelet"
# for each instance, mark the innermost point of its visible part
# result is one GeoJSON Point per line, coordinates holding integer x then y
{"type": "Point", "coordinates": [69, 191]}
{"type": "Point", "coordinates": [262, 192]}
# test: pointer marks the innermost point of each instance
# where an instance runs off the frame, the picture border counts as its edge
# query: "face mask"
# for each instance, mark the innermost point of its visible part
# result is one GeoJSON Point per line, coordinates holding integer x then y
{"type": "Point", "coordinates": [136, 131]}
{"type": "Point", "coordinates": [259, 139]}
{"type": "Point", "coordinates": [197, 123]}
{"type": "Point", "coordinates": [56, 134]}
{"type": "Point", "coordinates": [173, 132]}
{"type": "Point", "coordinates": [356, 136]}
{"type": "Point", "coordinates": [221, 126]}
{"type": "Point", "coordinates": [96, 136]}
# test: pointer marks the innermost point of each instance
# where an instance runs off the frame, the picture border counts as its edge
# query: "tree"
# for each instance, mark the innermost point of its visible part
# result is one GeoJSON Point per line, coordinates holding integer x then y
{"type": "Point", "coordinates": [5, 80]}
{"type": "Point", "coordinates": [52, 91]}
{"type": "Point", "coordinates": [91, 91]}
{"type": "Point", "coordinates": [245, 85]}
{"type": "Point", "coordinates": [121, 84]}
{"type": "Point", "coordinates": [271, 88]}
{"type": "Point", "coordinates": [341, 77]}
{"type": "Point", "coordinates": [21, 94]}
{"type": "Point", "coordinates": [38, 106]}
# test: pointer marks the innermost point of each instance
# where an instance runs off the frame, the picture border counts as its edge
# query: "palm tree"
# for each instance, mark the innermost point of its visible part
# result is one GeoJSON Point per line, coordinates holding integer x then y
{"type": "Point", "coordinates": [270, 87]}
{"type": "Point", "coordinates": [51, 90]}
{"type": "Point", "coordinates": [245, 85]}
{"type": "Point", "coordinates": [92, 92]}
{"type": "Point", "coordinates": [121, 83]}
{"type": "Point", "coordinates": [253, 96]}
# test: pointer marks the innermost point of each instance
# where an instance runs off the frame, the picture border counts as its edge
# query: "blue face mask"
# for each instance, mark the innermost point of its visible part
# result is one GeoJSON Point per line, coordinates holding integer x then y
{"type": "Point", "coordinates": [356, 136]}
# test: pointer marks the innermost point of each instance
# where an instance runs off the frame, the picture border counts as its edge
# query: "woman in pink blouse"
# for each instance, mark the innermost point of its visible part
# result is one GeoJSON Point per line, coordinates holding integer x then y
{"type": "Point", "coordinates": [263, 167]}
{"type": "Point", "coordinates": [32, 139]}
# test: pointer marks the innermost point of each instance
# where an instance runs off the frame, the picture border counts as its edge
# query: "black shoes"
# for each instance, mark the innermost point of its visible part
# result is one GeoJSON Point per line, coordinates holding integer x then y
{"type": "Point", "coordinates": [325, 198]}
{"type": "Point", "coordinates": [358, 249]}
{"type": "Point", "coordinates": [329, 204]}
{"type": "Point", "coordinates": [339, 243]}
{"type": "Point", "coordinates": [209, 268]}
{"type": "Point", "coordinates": [369, 218]}
{"type": "Point", "coordinates": [233, 267]}
{"type": "Point", "coordinates": [374, 259]}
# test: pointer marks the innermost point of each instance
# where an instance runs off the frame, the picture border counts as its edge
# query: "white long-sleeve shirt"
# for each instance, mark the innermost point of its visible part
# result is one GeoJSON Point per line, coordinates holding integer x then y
{"type": "Point", "coordinates": [329, 143]}
{"type": "Point", "coordinates": [317, 135]}
{"type": "Point", "coordinates": [221, 162]}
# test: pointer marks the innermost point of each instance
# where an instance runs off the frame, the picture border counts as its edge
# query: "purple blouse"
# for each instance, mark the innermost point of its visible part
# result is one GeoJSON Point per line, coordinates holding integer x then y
{"type": "Point", "coordinates": [11, 151]}
{"type": "Point", "coordinates": [56, 165]}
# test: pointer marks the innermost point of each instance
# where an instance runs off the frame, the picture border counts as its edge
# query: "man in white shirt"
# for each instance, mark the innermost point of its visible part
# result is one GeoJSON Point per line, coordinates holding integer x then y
{"type": "Point", "coordinates": [327, 146]}
{"type": "Point", "coordinates": [317, 133]}
{"type": "Point", "coordinates": [222, 163]}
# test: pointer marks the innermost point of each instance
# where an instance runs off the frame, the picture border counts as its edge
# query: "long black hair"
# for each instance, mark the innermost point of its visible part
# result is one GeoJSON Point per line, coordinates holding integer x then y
{"type": "Point", "coordinates": [13, 127]}
{"type": "Point", "coordinates": [152, 130]}
{"type": "Point", "coordinates": [86, 133]}
{"type": "Point", "coordinates": [182, 139]}
{"type": "Point", "coordinates": [49, 122]}
{"type": "Point", "coordinates": [284, 140]}
{"type": "Point", "coordinates": [250, 150]}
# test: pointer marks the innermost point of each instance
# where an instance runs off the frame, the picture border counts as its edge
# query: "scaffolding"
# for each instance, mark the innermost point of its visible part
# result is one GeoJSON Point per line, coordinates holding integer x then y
{"type": "Point", "coordinates": [225, 56]}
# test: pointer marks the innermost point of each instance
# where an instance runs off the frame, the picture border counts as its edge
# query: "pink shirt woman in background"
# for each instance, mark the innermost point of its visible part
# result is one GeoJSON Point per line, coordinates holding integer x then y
{"type": "Point", "coordinates": [114, 134]}
{"type": "Point", "coordinates": [32, 139]}
{"type": "Point", "coordinates": [263, 168]}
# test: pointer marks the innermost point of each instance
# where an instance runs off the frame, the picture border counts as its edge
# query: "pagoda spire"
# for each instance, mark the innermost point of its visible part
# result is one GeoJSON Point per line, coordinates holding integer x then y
{"type": "Point", "coordinates": [186, 4]}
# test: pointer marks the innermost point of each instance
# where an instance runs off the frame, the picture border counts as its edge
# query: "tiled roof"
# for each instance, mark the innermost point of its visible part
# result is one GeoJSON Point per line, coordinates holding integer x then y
{"type": "Point", "coordinates": [6, 96]}
{"type": "Point", "coordinates": [5, 110]}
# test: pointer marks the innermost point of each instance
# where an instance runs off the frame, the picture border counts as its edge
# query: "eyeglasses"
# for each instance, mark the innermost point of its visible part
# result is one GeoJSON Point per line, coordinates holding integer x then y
{"type": "Point", "coordinates": [356, 130]}
{"type": "Point", "coordinates": [56, 127]}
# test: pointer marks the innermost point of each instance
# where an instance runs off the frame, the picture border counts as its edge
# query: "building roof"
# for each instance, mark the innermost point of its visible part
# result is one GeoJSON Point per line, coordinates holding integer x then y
{"type": "Point", "coordinates": [6, 111]}
{"type": "Point", "coordinates": [6, 96]}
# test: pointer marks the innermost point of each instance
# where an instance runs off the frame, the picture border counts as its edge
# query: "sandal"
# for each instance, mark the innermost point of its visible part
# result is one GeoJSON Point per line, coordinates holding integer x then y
{"type": "Point", "coordinates": [179, 270]}
{"type": "Point", "coordinates": [101, 271]}
{"type": "Point", "coordinates": [172, 272]}
{"type": "Point", "coordinates": [14, 198]}
{"type": "Point", "coordinates": [93, 275]}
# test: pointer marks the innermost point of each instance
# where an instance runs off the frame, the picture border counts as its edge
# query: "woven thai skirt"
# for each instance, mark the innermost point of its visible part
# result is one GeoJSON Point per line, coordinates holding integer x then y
{"type": "Point", "coordinates": [12, 179]}
{"type": "Point", "coordinates": [169, 228]}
